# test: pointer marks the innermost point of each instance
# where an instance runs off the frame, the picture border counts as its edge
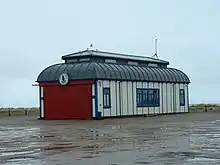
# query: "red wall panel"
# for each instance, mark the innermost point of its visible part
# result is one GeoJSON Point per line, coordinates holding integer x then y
{"type": "Point", "coordinates": [68, 102]}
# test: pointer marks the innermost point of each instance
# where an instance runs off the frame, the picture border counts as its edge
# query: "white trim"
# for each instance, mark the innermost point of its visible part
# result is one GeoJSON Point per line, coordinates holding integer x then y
{"type": "Point", "coordinates": [93, 89]}
{"type": "Point", "coordinates": [42, 102]}
{"type": "Point", "coordinates": [93, 108]}
{"type": "Point", "coordinates": [42, 108]}
{"type": "Point", "coordinates": [93, 101]}
{"type": "Point", "coordinates": [42, 91]}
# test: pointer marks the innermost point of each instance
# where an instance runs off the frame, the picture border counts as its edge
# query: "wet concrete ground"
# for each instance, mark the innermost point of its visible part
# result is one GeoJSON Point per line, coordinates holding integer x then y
{"type": "Point", "coordinates": [187, 139]}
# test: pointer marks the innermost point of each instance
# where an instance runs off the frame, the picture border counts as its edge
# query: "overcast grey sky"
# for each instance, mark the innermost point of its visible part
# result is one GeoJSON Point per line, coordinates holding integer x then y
{"type": "Point", "coordinates": [36, 33]}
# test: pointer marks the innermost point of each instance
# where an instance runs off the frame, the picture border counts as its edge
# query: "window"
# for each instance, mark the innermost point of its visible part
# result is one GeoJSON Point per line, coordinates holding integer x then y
{"type": "Point", "coordinates": [148, 97]}
{"type": "Point", "coordinates": [84, 59]}
{"type": "Point", "coordinates": [106, 98]}
{"type": "Point", "coordinates": [139, 97]}
{"type": "Point", "coordinates": [110, 61]}
{"type": "Point", "coordinates": [71, 60]}
{"type": "Point", "coordinates": [182, 97]}
{"type": "Point", "coordinates": [132, 63]}
{"type": "Point", "coordinates": [145, 96]}
{"type": "Point", "coordinates": [152, 65]}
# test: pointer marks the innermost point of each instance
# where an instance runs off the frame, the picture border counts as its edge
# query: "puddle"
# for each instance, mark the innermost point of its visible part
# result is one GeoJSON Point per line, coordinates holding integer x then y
{"type": "Point", "coordinates": [203, 160]}
{"type": "Point", "coordinates": [15, 153]}
{"type": "Point", "coordinates": [181, 139]}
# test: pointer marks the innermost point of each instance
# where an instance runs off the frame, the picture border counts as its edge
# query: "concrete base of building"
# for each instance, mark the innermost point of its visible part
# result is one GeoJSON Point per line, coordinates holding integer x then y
{"type": "Point", "coordinates": [163, 114]}
{"type": "Point", "coordinates": [62, 119]}
{"type": "Point", "coordinates": [132, 116]}
{"type": "Point", "coordinates": [114, 117]}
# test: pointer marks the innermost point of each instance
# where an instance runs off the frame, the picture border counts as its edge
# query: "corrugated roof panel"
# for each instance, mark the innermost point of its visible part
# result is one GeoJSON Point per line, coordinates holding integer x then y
{"type": "Point", "coordinates": [162, 75]}
{"type": "Point", "coordinates": [176, 75]}
{"type": "Point", "coordinates": [146, 75]}
{"type": "Point", "coordinates": [159, 77]}
{"type": "Point", "coordinates": [58, 72]}
{"type": "Point", "coordinates": [166, 75]}
{"type": "Point", "coordinates": [171, 75]}
{"type": "Point", "coordinates": [122, 72]}
{"type": "Point", "coordinates": [99, 71]}
{"type": "Point", "coordinates": [74, 72]}
{"type": "Point", "coordinates": [131, 74]}
{"type": "Point", "coordinates": [116, 69]}
{"type": "Point", "coordinates": [55, 71]}
{"type": "Point", "coordinates": [82, 71]}
{"type": "Point", "coordinates": [126, 71]}
{"type": "Point", "coordinates": [106, 72]}
{"type": "Point", "coordinates": [91, 71]}
{"type": "Point", "coordinates": [137, 72]}
{"type": "Point", "coordinates": [111, 71]}
{"type": "Point", "coordinates": [151, 73]}
{"type": "Point", "coordinates": [183, 75]}
{"type": "Point", "coordinates": [143, 76]}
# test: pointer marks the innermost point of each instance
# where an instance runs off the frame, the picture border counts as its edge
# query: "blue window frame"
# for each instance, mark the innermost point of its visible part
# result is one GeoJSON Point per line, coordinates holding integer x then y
{"type": "Point", "coordinates": [106, 98]}
{"type": "Point", "coordinates": [148, 97]}
{"type": "Point", "coordinates": [182, 97]}
{"type": "Point", "coordinates": [139, 97]}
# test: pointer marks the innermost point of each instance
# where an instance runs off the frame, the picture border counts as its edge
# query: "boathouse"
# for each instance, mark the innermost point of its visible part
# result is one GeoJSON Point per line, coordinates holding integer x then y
{"type": "Point", "coordinates": [94, 84]}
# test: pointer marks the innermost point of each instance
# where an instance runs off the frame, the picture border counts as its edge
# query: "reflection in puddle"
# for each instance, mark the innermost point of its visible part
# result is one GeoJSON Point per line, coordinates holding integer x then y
{"type": "Point", "coordinates": [15, 153]}
{"type": "Point", "coordinates": [203, 160]}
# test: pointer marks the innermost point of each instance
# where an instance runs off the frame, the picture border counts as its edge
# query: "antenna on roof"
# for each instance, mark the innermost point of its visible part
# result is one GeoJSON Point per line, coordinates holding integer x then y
{"type": "Point", "coordinates": [90, 47]}
{"type": "Point", "coordinates": [155, 54]}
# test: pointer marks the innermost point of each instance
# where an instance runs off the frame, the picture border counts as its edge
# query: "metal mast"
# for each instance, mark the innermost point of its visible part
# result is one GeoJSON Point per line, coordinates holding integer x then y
{"type": "Point", "coordinates": [155, 54]}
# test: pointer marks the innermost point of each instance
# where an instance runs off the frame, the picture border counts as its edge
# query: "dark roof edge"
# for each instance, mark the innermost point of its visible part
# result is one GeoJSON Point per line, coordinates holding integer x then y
{"type": "Point", "coordinates": [167, 82]}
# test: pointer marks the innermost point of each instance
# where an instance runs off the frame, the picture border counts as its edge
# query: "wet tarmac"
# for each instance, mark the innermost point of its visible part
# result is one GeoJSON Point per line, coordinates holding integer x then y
{"type": "Point", "coordinates": [187, 139]}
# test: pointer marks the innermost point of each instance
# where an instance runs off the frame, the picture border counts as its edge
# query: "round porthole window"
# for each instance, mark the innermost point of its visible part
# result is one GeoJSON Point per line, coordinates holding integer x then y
{"type": "Point", "coordinates": [63, 79]}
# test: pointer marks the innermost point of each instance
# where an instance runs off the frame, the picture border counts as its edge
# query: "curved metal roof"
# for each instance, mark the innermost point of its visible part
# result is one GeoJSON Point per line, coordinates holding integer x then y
{"type": "Point", "coordinates": [107, 71]}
